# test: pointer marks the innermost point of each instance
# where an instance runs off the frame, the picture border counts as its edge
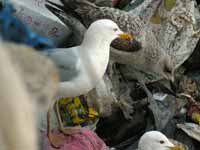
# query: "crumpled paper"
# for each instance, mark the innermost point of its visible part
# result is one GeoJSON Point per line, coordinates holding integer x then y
{"type": "Point", "coordinates": [163, 109]}
{"type": "Point", "coordinates": [40, 19]}
{"type": "Point", "coordinates": [191, 129]}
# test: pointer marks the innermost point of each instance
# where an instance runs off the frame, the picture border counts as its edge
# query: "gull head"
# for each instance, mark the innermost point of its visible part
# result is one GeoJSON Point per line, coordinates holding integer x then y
{"type": "Point", "coordinates": [107, 29]}
{"type": "Point", "coordinates": [155, 140]}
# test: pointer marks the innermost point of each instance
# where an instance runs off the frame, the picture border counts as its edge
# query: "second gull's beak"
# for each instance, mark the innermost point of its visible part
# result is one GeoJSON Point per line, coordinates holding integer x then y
{"type": "Point", "coordinates": [125, 36]}
{"type": "Point", "coordinates": [176, 147]}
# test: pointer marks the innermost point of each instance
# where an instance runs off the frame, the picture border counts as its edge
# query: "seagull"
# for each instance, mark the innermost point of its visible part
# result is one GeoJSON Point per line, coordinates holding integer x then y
{"type": "Point", "coordinates": [151, 58]}
{"type": "Point", "coordinates": [151, 63]}
{"type": "Point", "coordinates": [17, 117]}
{"type": "Point", "coordinates": [31, 79]}
{"type": "Point", "coordinates": [88, 12]}
{"type": "Point", "coordinates": [39, 73]}
{"type": "Point", "coordinates": [83, 66]}
{"type": "Point", "coordinates": [155, 140]}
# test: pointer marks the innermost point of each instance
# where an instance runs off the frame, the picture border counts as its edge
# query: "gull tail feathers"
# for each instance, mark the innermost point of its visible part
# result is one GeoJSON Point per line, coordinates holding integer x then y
{"type": "Point", "coordinates": [79, 6]}
{"type": "Point", "coordinates": [62, 11]}
{"type": "Point", "coordinates": [71, 20]}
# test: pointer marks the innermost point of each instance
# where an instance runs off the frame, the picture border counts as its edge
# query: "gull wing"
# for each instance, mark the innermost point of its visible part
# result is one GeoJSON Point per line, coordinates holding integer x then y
{"type": "Point", "coordinates": [67, 61]}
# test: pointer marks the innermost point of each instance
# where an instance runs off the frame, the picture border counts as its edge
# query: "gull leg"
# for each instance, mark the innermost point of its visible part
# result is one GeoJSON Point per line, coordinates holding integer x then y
{"type": "Point", "coordinates": [146, 90]}
{"type": "Point", "coordinates": [67, 130]}
{"type": "Point", "coordinates": [56, 140]}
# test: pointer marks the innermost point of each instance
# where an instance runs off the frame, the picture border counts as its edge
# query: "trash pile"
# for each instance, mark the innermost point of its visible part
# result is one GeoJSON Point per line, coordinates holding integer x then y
{"type": "Point", "coordinates": [105, 74]}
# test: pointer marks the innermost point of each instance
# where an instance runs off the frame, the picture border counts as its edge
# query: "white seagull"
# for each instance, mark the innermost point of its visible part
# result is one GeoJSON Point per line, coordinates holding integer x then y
{"type": "Point", "coordinates": [155, 140]}
{"type": "Point", "coordinates": [83, 66]}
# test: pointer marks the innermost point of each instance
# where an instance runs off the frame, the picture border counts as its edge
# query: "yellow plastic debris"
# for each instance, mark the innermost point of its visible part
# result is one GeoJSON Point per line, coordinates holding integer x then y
{"type": "Point", "coordinates": [75, 111]}
{"type": "Point", "coordinates": [196, 117]}
{"type": "Point", "coordinates": [92, 113]}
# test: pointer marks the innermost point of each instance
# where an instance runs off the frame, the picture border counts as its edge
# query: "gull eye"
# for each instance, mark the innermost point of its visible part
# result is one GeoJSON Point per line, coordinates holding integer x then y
{"type": "Point", "coordinates": [115, 29]}
{"type": "Point", "coordinates": [162, 142]}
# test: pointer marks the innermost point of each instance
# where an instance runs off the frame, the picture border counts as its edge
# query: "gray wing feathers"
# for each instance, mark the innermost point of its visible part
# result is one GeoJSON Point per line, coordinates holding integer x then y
{"type": "Point", "coordinates": [67, 62]}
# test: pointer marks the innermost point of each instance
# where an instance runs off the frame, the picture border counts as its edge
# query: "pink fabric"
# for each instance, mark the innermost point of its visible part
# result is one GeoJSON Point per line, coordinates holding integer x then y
{"type": "Point", "coordinates": [85, 140]}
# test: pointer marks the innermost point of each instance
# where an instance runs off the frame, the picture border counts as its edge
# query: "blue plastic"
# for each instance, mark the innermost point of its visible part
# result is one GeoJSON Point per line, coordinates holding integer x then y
{"type": "Point", "coordinates": [13, 29]}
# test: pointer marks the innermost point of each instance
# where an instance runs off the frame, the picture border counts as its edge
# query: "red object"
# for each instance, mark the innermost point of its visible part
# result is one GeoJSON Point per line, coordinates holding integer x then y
{"type": "Point", "coordinates": [193, 109]}
{"type": "Point", "coordinates": [194, 106]}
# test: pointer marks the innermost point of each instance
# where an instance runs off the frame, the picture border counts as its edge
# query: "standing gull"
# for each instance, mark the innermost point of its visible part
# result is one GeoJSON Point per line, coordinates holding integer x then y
{"type": "Point", "coordinates": [82, 67]}
{"type": "Point", "coordinates": [149, 64]}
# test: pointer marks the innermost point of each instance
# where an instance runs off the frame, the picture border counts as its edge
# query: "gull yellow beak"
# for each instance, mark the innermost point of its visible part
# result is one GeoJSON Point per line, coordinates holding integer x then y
{"type": "Point", "coordinates": [125, 36]}
{"type": "Point", "coordinates": [176, 147]}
